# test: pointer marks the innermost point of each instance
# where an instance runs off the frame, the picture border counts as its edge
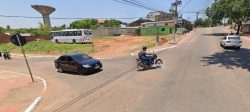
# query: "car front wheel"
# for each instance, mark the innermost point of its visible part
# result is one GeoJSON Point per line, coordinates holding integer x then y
{"type": "Point", "coordinates": [60, 70]}
{"type": "Point", "coordinates": [80, 71]}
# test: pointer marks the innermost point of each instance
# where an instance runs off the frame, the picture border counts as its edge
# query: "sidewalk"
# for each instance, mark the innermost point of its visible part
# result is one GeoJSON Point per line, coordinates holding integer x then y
{"type": "Point", "coordinates": [17, 91]}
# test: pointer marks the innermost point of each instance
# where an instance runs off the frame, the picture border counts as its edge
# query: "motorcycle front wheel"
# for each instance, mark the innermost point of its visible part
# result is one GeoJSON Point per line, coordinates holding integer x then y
{"type": "Point", "coordinates": [140, 66]}
{"type": "Point", "coordinates": [158, 63]}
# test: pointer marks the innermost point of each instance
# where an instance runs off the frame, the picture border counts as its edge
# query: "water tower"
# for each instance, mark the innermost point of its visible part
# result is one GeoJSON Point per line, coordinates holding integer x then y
{"type": "Point", "coordinates": [45, 11]}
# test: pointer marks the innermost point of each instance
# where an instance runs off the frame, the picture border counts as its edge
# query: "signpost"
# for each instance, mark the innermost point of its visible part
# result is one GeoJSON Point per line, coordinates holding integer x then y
{"type": "Point", "coordinates": [20, 41]}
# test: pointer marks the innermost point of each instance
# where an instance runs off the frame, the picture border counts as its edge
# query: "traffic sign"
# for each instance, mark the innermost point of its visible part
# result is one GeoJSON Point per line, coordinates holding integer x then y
{"type": "Point", "coordinates": [15, 41]}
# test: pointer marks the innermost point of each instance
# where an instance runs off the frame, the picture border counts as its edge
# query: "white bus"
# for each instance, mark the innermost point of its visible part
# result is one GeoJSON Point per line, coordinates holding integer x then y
{"type": "Point", "coordinates": [72, 36]}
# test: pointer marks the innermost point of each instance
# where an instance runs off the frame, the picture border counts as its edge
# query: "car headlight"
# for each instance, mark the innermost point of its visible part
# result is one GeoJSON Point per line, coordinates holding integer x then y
{"type": "Point", "coordinates": [86, 66]}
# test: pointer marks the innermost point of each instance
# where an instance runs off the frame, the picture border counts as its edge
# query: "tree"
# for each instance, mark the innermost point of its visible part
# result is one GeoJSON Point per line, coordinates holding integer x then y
{"type": "Point", "coordinates": [84, 24]}
{"type": "Point", "coordinates": [8, 27]}
{"type": "Point", "coordinates": [235, 10]}
{"type": "Point", "coordinates": [203, 22]}
{"type": "Point", "coordinates": [112, 23]}
{"type": "Point", "coordinates": [2, 30]}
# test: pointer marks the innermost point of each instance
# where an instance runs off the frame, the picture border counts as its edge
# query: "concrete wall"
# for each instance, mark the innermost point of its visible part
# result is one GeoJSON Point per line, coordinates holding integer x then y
{"type": "Point", "coordinates": [245, 28]}
{"type": "Point", "coordinates": [114, 31]}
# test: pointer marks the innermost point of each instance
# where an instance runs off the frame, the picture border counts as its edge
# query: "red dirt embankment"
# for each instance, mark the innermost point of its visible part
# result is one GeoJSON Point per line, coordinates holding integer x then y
{"type": "Point", "coordinates": [6, 38]}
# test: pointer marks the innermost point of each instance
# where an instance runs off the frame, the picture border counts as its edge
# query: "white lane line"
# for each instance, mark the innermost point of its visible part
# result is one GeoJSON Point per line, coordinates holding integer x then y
{"type": "Point", "coordinates": [39, 98]}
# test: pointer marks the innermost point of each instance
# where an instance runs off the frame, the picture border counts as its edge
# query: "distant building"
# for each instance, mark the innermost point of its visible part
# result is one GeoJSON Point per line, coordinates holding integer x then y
{"type": "Point", "coordinates": [138, 22]}
{"type": "Point", "coordinates": [160, 16]}
{"type": "Point", "coordinates": [157, 28]}
{"type": "Point", "coordinates": [101, 21]}
{"type": "Point", "coordinates": [157, 24]}
{"type": "Point", "coordinates": [183, 23]}
{"type": "Point", "coordinates": [245, 27]}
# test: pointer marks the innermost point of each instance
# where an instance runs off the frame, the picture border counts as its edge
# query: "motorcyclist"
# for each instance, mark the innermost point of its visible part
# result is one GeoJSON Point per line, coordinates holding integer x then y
{"type": "Point", "coordinates": [6, 54]}
{"type": "Point", "coordinates": [145, 56]}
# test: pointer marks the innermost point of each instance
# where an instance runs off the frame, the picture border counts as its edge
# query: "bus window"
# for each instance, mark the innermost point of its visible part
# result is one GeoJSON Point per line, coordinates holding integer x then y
{"type": "Point", "coordinates": [65, 33]}
{"type": "Point", "coordinates": [85, 32]}
{"type": "Point", "coordinates": [52, 34]}
{"type": "Point", "coordinates": [59, 33]}
{"type": "Point", "coordinates": [79, 33]}
{"type": "Point", "coordinates": [71, 33]}
{"type": "Point", "coordinates": [74, 33]}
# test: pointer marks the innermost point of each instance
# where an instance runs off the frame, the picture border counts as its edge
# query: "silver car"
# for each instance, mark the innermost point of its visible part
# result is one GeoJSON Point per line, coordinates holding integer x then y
{"type": "Point", "coordinates": [231, 41]}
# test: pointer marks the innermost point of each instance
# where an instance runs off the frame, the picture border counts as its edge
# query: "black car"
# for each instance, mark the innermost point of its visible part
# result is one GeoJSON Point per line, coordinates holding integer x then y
{"type": "Point", "coordinates": [79, 63]}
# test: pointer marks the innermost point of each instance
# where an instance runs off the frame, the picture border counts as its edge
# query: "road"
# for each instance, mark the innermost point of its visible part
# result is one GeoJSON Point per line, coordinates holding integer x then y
{"type": "Point", "coordinates": [198, 76]}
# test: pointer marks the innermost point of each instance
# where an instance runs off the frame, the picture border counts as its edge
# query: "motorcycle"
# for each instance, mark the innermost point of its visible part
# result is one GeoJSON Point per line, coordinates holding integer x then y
{"type": "Point", "coordinates": [6, 56]}
{"type": "Point", "coordinates": [143, 65]}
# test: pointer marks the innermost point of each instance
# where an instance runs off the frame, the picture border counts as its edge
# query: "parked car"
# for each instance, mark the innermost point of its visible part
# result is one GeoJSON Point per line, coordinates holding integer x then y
{"type": "Point", "coordinates": [233, 41]}
{"type": "Point", "coordinates": [79, 63]}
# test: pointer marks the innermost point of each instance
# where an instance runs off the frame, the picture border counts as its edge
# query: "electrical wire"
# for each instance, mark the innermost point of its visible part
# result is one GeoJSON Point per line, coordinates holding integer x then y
{"type": "Point", "coordinates": [137, 4]}
{"type": "Point", "coordinates": [185, 5]}
{"type": "Point", "coordinates": [8, 16]}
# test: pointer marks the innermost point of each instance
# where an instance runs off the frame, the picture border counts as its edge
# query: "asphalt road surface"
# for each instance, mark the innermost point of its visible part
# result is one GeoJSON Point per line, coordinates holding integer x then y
{"type": "Point", "coordinates": [198, 76]}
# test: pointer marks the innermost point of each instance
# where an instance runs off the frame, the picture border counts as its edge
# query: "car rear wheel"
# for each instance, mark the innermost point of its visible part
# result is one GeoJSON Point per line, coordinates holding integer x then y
{"type": "Point", "coordinates": [60, 70]}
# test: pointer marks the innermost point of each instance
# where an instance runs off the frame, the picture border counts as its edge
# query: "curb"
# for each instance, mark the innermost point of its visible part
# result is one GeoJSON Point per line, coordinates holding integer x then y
{"type": "Point", "coordinates": [20, 56]}
{"type": "Point", "coordinates": [39, 98]}
{"type": "Point", "coordinates": [33, 105]}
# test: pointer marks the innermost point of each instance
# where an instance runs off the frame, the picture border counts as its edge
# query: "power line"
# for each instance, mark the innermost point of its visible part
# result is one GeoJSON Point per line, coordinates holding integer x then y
{"type": "Point", "coordinates": [185, 5]}
{"type": "Point", "coordinates": [141, 3]}
{"type": "Point", "coordinates": [137, 4]}
{"type": "Point", "coordinates": [153, 4]}
{"type": "Point", "coordinates": [9, 16]}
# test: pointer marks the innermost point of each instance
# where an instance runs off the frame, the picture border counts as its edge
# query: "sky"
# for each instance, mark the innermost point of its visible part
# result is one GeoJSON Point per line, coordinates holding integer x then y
{"type": "Point", "coordinates": [88, 9]}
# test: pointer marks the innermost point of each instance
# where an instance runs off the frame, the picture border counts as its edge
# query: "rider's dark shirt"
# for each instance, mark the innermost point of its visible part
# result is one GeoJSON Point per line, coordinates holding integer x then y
{"type": "Point", "coordinates": [142, 54]}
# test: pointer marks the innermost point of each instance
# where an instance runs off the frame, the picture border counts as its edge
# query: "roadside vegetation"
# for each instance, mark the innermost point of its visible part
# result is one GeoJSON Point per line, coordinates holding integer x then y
{"type": "Point", "coordinates": [48, 47]}
{"type": "Point", "coordinates": [234, 11]}
{"type": "Point", "coordinates": [105, 46]}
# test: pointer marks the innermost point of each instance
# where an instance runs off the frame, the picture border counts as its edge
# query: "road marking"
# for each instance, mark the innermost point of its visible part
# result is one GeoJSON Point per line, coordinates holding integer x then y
{"type": "Point", "coordinates": [39, 98]}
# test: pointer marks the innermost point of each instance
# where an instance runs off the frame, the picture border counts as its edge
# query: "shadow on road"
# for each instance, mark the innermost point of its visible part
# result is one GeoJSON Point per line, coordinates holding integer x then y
{"type": "Point", "coordinates": [87, 74]}
{"type": "Point", "coordinates": [216, 34]}
{"type": "Point", "coordinates": [230, 59]}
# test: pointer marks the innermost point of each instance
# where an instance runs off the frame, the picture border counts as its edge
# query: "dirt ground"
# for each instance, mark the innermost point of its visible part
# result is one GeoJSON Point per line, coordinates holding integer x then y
{"type": "Point", "coordinates": [120, 46]}
{"type": "Point", "coordinates": [124, 45]}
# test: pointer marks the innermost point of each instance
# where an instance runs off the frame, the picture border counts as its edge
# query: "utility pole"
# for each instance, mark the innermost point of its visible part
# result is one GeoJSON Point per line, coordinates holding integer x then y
{"type": "Point", "coordinates": [197, 16]}
{"type": "Point", "coordinates": [175, 6]}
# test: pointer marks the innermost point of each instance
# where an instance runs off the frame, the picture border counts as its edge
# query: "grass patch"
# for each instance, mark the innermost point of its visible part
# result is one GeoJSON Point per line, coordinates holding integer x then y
{"type": "Point", "coordinates": [48, 47]}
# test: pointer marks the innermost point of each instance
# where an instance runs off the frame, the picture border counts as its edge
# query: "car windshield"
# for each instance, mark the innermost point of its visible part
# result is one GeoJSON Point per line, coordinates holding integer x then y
{"type": "Point", "coordinates": [81, 57]}
{"type": "Point", "coordinates": [234, 38]}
